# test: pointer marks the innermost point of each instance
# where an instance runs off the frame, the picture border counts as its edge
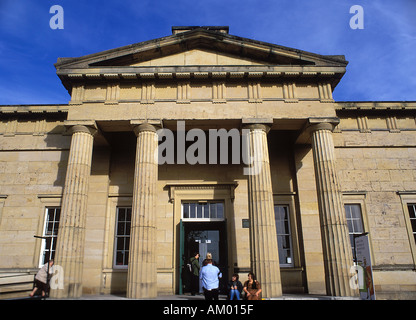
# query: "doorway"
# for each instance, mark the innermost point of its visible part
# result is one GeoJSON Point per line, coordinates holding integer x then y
{"type": "Point", "coordinates": [204, 237]}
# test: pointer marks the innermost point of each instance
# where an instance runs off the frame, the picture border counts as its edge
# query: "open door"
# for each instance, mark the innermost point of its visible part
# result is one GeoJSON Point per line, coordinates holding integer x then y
{"type": "Point", "coordinates": [182, 263]}
{"type": "Point", "coordinates": [203, 237]}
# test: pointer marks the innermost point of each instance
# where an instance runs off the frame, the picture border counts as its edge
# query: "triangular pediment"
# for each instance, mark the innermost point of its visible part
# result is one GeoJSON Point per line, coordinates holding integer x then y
{"type": "Point", "coordinates": [200, 52]}
{"type": "Point", "coordinates": [198, 57]}
{"type": "Point", "coordinates": [199, 47]}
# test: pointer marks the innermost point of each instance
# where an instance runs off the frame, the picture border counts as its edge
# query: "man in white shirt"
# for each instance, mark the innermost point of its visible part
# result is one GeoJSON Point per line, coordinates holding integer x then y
{"type": "Point", "coordinates": [210, 276]}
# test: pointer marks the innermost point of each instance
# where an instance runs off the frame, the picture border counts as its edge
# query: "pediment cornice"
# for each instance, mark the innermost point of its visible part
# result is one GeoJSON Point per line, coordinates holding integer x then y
{"type": "Point", "coordinates": [270, 54]}
{"type": "Point", "coordinates": [267, 60]}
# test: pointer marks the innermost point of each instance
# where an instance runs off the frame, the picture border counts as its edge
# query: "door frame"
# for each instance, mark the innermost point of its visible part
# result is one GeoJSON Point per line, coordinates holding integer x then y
{"type": "Point", "coordinates": [184, 253]}
{"type": "Point", "coordinates": [196, 191]}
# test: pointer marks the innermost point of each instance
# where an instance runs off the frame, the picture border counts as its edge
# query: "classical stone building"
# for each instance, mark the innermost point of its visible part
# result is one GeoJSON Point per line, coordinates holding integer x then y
{"type": "Point", "coordinates": [87, 176]}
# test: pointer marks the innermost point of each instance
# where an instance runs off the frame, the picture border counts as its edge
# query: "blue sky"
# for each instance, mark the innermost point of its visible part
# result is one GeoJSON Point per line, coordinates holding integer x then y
{"type": "Point", "coordinates": [382, 56]}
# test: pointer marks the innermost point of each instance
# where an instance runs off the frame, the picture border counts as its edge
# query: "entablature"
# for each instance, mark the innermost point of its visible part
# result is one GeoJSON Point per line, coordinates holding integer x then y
{"type": "Point", "coordinates": [186, 85]}
{"type": "Point", "coordinates": [374, 105]}
{"type": "Point", "coordinates": [329, 74]}
{"type": "Point", "coordinates": [33, 109]}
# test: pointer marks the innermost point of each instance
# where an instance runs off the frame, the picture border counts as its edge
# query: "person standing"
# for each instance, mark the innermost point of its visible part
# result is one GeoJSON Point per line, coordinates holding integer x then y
{"type": "Point", "coordinates": [210, 276]}
{"type": "Point", "coordinates": [41, 279]}
{"type": "Point", "coordinates": [195, 273]}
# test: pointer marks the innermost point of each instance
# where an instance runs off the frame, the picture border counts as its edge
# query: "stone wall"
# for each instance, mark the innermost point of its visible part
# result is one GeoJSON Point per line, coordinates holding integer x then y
{"type": "Point", "coordinates": [377, 169]}
{"type": "Point", "coordinates": [33, 157]}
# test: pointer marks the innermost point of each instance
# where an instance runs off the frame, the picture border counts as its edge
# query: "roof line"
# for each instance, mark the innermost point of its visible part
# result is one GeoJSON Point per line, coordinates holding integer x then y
{"type": "Point", "coordinates": [182, 35]}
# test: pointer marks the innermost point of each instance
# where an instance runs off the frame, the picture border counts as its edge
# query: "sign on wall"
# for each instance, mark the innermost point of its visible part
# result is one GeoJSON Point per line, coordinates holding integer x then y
{"type": "Point", "coordinates": [364, 268]}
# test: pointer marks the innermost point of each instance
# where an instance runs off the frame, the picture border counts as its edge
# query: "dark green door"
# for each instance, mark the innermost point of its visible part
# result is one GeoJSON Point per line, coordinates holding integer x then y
{"type": "Point", "coordinates": [182, 262]}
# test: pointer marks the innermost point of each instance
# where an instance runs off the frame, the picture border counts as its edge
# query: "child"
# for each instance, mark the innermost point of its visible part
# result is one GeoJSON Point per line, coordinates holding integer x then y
{"type": "Point", "coordinates": [235, 287]}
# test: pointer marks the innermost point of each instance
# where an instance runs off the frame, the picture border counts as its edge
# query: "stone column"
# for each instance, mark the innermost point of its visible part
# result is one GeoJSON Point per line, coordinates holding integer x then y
{"type": "Point", "coordinates": [263, 237]}
{"type": "Point", "coordinates": [70, 243]}
{"type": "Point", "coordinates": [335, 239]}
{"type": "Point", "coordinates": [142, 271]}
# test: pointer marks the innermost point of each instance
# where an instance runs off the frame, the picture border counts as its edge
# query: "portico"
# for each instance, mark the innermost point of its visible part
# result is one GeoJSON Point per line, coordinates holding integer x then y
{"type": "Point", "coordinates": [202, 140]}
{"type": "Point", "coordinates": [217, 81]}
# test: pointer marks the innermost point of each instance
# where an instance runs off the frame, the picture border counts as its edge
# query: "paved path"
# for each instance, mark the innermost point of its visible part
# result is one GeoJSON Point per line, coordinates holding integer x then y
{"type": "Point", "coordinates": [201, 297]}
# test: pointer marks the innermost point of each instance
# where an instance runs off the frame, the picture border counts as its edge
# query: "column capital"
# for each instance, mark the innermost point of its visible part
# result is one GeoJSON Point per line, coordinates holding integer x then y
{"type": "Point", "coordinates": [87, 126]}
{"type": "Point", "coordinates": [145, 125]}
{"type": "Point", "coordinates": [315, 124]}
{"type": "Point", "coordinates": [264, 124]}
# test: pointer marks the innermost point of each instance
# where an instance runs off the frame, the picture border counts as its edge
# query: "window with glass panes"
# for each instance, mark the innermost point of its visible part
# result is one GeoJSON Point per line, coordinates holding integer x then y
{"type": "Point", "coordinates": [210, 210]}
{"type": "Point", "coordinates": [354, 221]}
{"type": "Point", "coordinates": [50, 234]}
{"type": "Point", "coordinates": [284, 238]}
{"type": "Point", "coordinates": [122, 240]}
{"type": "Point", "coordinates": [412, 216]}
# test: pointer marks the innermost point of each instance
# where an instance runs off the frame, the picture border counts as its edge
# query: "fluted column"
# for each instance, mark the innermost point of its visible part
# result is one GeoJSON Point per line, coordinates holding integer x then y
{"type": "Point", "coordinates": [142, 271]}
{"type": "Point", "coordinates": [336, 243]}
{"type": "Point", "coordinates": [263, 237]}
{"type": "Point", "coordinates": [71, 234]}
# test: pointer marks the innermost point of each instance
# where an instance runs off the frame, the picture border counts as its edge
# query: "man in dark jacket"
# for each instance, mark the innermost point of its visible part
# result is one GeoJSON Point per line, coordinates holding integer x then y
{"type": "Point", "coordinates": [195, 273]}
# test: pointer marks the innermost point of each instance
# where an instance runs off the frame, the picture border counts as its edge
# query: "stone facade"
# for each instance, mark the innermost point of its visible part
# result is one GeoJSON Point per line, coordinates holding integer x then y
{"type": "Point", "coordinates": [95, 157]}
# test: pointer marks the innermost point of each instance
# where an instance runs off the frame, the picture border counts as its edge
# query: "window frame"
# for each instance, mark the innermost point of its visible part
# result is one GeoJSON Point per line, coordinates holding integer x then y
{"type": "Point", "coordinates": [54, 237]}
{"type": "Point", "coordinates": [202, 219]}
{"type": "Point", "coordinates": [288, 199]}
{"type": "Point", "coordinates": [358, 198]}
{"type": "Point", "coordinates": [406, 199]}
{"type": "Point", "coordinates": [353, 233]}
{"type": "Point", "coordinates": [116, 236]}
{"type": "Point", "coordinates": [413, 230]}
{"type": "Point", "coordinates": [287, 207]}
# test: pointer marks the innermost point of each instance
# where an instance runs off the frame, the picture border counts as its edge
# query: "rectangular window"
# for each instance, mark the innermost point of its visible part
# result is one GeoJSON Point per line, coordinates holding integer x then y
{"type": "Point", "coordinates": [408, 199]}
{"type": "Point", "coordinates": [284, 238]}
{"type": "Point", "coordinates": [122, 240]}
{"type": "Point", "coordinates": [354, 221]}
{"type": "Point", "coordinates": [50, 234]}
{"type": "Point", "coordinates": [412, 215]}
{"type": "Point", "coordinates": [209, 210]}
